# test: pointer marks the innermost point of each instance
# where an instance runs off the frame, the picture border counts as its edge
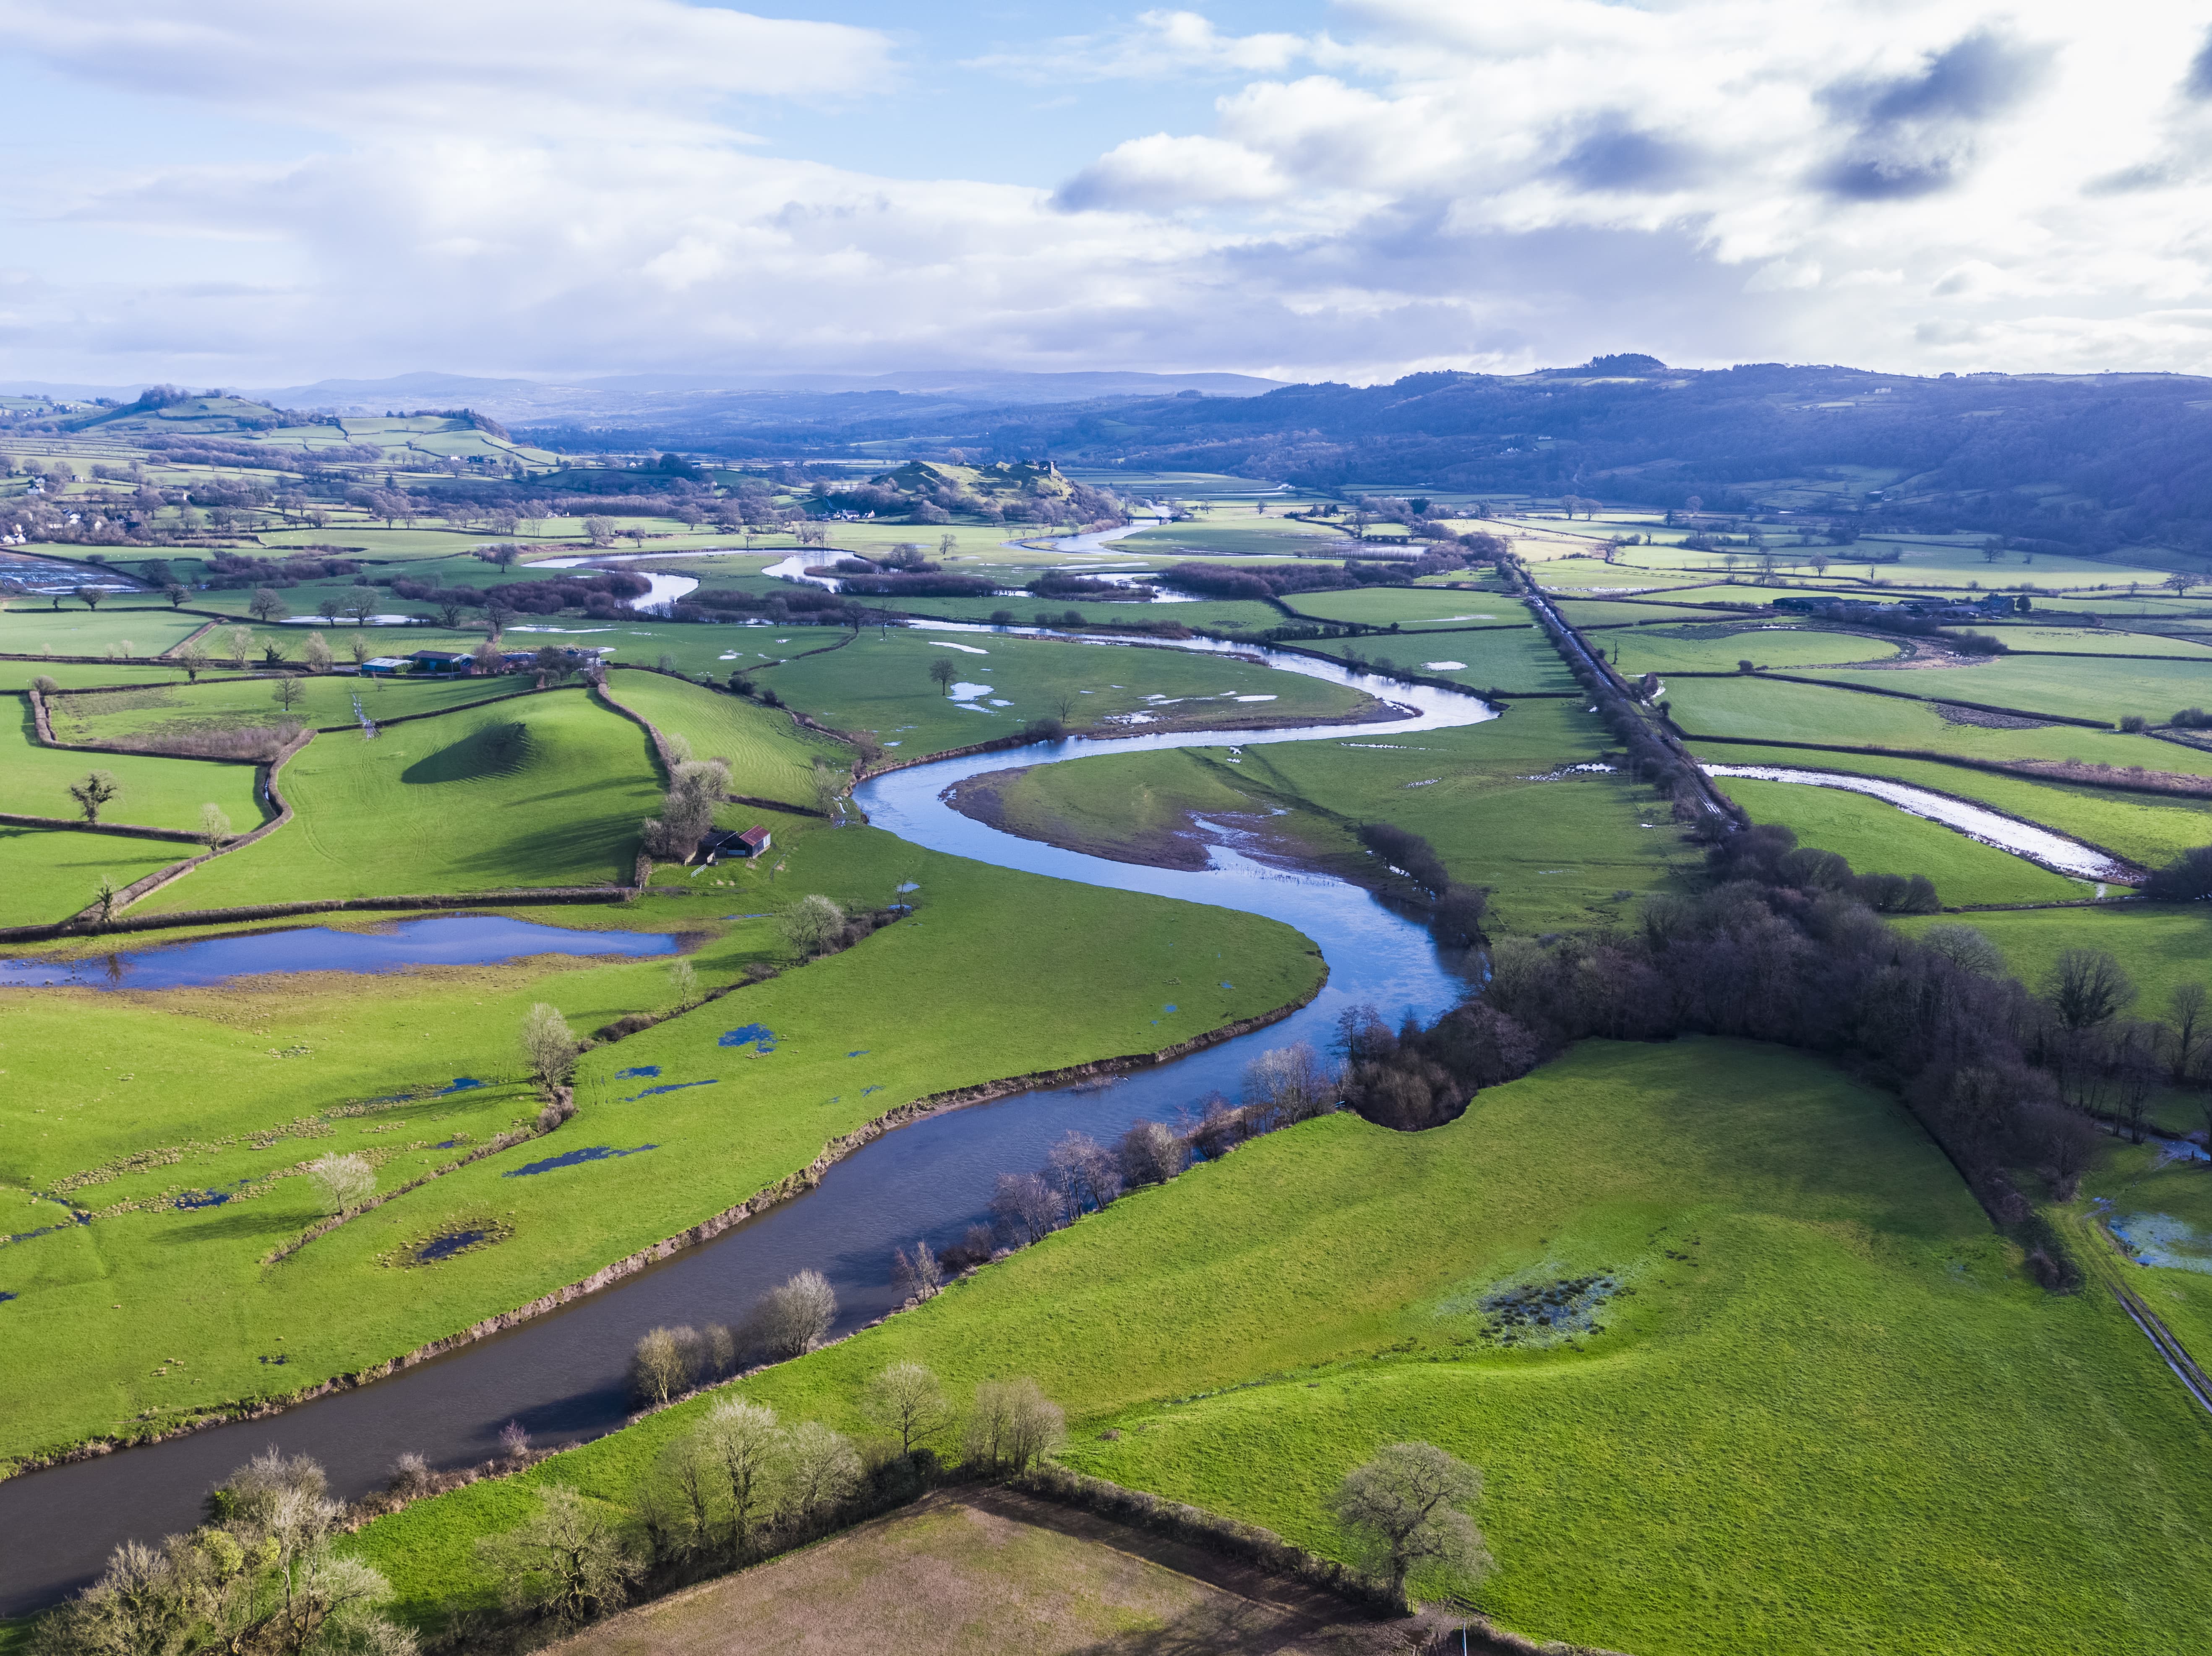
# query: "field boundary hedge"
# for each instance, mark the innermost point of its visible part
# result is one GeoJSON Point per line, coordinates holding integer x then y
{"type": "Point", "coordinates": [69, 822]}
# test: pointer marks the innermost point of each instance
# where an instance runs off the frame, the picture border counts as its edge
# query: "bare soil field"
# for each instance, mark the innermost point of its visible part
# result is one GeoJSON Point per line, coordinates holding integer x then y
{"type": "Point", "coordinates": [988, 1571]}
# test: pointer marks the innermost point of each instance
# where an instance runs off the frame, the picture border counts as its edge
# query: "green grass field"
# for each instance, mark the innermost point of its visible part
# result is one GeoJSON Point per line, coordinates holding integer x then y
{"type": "Point", "coordinates": [2079, 687]}
{"type": "Point", "coordinates": [881, 682]}
{"type": "Point", "coordinates": [1379, 606]}
{"type": "Point", "coordinates": [2102, 640]}
{"type": "Point", "coordinates": [325, 702]}
{"type": "Point", "coordinates": [1717, 648]}
{"type": "Point", "coordinates": [1825, 1340]}
{"type": "Point", "coordinates": [1775, 710]}
{"type": "Point", "coordinates": [2143, 827]}
{"type": "Point", "coordinates": [1240, 535]}
{"type": "Point", "coordinates": [76, 631]}
{"type": "Point", "coordinates": [543, 790]}
{"type": "Point", "coordinates": [1877, 838]}
{"type": "Point", "coordinates": [1000, 974]}
{"type": "Point", "coordinates": [1634, 612]}
{"type": "Point", "coordinates": [770, 757]}
{"type": "Point", "coordinates": [35, 781]}
{"type": "Point", "coordinates": [1516, 659]}
{"type": "Point", "coordinates": [49, 874]}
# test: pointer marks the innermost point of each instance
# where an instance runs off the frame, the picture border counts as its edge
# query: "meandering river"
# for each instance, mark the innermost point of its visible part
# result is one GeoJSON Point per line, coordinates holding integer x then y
{"type": "Point", "coordinates": [563, 1375]}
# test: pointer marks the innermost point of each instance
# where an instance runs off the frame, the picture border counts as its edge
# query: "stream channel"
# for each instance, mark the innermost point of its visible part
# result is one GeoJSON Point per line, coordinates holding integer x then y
{"type": "Point", "coordinates": [563, 1375]}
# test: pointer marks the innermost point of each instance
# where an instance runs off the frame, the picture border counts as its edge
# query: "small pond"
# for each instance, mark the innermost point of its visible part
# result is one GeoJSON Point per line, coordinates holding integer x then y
{"type": "Point", "coordinates": [445, 940]}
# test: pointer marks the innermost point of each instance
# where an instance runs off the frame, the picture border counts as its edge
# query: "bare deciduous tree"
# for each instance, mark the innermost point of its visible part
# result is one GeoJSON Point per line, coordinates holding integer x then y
{"type": "Point", "coordinates": [661, 1365]}
{"type": "Point", "coordinates": [286, 693]}
{"type": "Point", "coordinates": [97, 790]}
{"type": "Point", "coordinates": [1968, 950]}
{"type": "Point", "coordinates": [919, 1274]}
{"type": "Point", "coordinates": [345, 1182]}
{"type": "Point", "coordinates": [794, 1318]}
{"type": "Point", "coordinates": [569, 1561]}
{"type": "Point", "coordinates": [549, 1046]}
{"type": "Point", "coordinates": [316, 653]}
{"type": "Point", "coordinates": [1086, 1174]}
{"type": "Point", "coordinates": [265, 606]}
{"type": "Point", "coordinates": [906, 1401]}
{"type": "Point", "coordinates": [942, 672]}
{"type": "Point", "coordinates": [684, 985]}
{"type": "Point", "coordinates": [2185, 1023]}
{"type": "Point", "coordinates": [811, 925]}
{"type": "Point", "coordinates": [821, 1468]}
{"type": "Point", "coordinates": [748, 1446]}
{"type": "Point", "coordinates": [1150, 1154]}
{"type": "Point", "coordinates": [1405, 1509]}
{"type": "Point", "coordinates": [215, 826]}
{"type": "Point", "coordinates": [1291, 1084]}
{"type": "Point", "coordinates": [1011, 1426]}
{"type": "Point", "coordinates": [1026, 1208]}
{"type": "Point", "coordinates": [2085, 987]}
{"type": "Point", "coordinates": [241, 641]}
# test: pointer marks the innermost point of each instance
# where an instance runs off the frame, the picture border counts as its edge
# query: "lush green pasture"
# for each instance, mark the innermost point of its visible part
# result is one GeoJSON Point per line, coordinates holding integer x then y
{"type": "Point", "coordinates": [2143, 827]}
{"type": "Point", "coordinates": [2161, 944]}
{"type": "Point", "coordinates": [21, 675]}
{"type": "Point", "coordinates": [770, 757]}
{"type": "Point", "coordinates": [1516, 659]}
{"type": "Point", "coordinates": [1556, 853]}
{"type": "Point", "coordinates": [1382, 606]}
{"type": "Point", "coordinates": [35, 781]}
{"type": "Point", "coordinates": [2081, 687]}
{"type": "Point", "coordinates": [219, 704]}
{"type": "Point", "coordinates": [77, 631]}
{"type": "Point", "coordinates": [880, 682]}
{"type": "Point", "coordinates": [1000, 973]}
{"type": "Point", "coordinates": [1634, 612]}
{"type": "Point", "coordinates": [1805, 1265]}
{"type": "Point", "coordinates": [1717, 648]}
{"type": "Point", "coordinates": [1577, 572]}
{"type": "Point", "coordinates": [543, 790]}
{"type": "Point", "coordinates": [2103, 641]}
{"type": "Point", "coordinates": [49, 874]}
{"type": "Point", "coordinates": [1253, 537]}
{"type": "Point", "coordinates": [1877, 838]}
{"type": "Point", "coordinates": [1776, 710]}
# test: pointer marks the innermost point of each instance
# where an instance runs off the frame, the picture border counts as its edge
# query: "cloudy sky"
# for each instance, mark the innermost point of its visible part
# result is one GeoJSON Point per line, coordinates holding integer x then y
{"type": "Point", "coordinates": [244, 192]}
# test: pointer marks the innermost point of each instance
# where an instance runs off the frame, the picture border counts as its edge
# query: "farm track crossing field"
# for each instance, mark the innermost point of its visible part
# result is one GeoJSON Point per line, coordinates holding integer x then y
{"type": "Point", "coordinates": [1802, 1259]}
{"type": "Point", "coordinates": [543, 790]}
{"type": "Point", "coordinates": [152, 793]}
{"type": "Point", "coordinates": [49, 874]}
{"type": "Point", "coordinates": [1000, 974]}
{"type": "Point", "coordinates": [1877, 838]}
{"type": "Point", "coordinates": [2145, 829]}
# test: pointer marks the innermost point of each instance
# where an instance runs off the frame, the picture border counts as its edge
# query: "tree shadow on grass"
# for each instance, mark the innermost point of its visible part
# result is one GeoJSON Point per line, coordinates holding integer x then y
{"type": "Point", "coordinates": [1234, 1627]}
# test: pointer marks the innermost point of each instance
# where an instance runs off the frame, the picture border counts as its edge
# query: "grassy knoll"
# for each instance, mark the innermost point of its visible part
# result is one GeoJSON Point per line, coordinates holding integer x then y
{"type": "Point", "coordinates": [35, 781]}
{"type": "Point", "coordinates": [77, 631]}
{"type": "Point", "coordinates": [1410, 605]}
{"type": "Point", "coordinates": [1825, 1340]}
{"type": "Point", "coordinates": [2081, 687]}
{"type": "Point", "coordinates": [880, 682]}
{"type": "Point", "coordinates": [975, 1573]}
{"type": "Point", "coordinates": [545, 791]}
{"type": "Point", "coordinates": [1559, 852]}
{"type": "Point", "coordinates": [770, 757]}
{"type": "Point", "coordinates": [1879, 839]}
{"type": "Point", "coordinates": [1717, 648]}
{"type": "Point", "coordinates": [2147, 828]}
{"type": "Point", "coordinates": [49, 874]}
{"type": "Point", "coordinates": [222, 704]}
{"type": "Point", "coordinates": [998, 974]}
{"type": "Point", "coordinates": [1776, 710]}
